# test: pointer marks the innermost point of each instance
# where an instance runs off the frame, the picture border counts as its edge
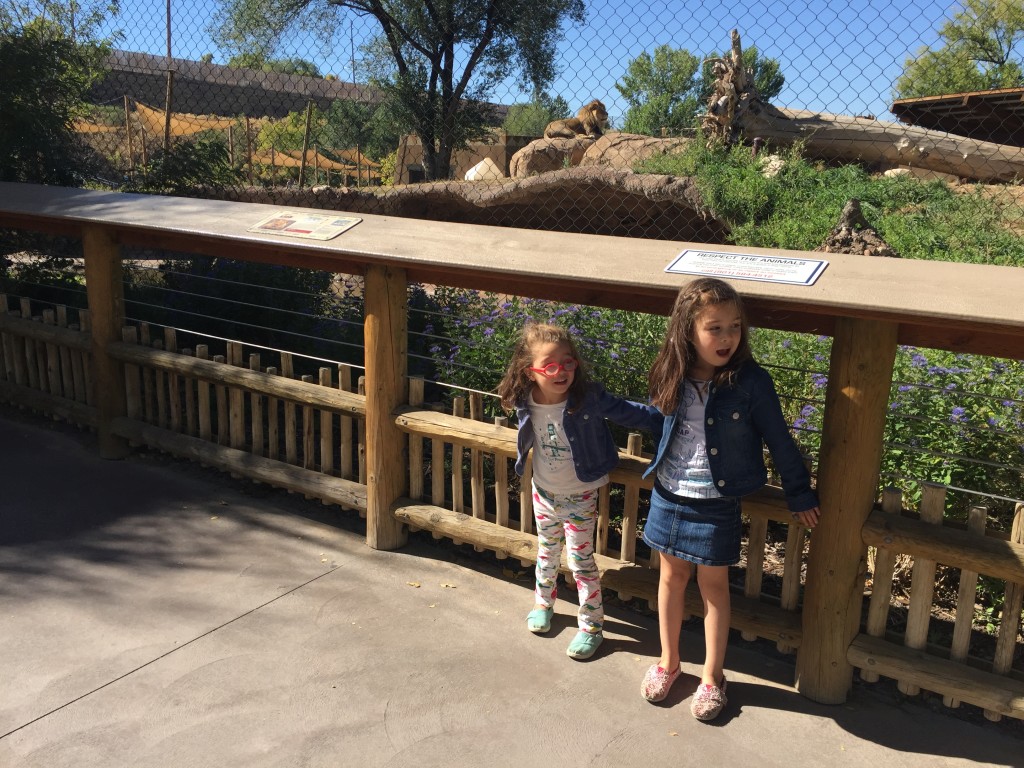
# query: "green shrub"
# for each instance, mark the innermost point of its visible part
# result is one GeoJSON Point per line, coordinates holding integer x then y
{"type": "Point", "coordinates": [473, 334]}
{"type": "Point", "coordinates": [798, 207]}
{"type": "Point", "coordinates": [190, 165]}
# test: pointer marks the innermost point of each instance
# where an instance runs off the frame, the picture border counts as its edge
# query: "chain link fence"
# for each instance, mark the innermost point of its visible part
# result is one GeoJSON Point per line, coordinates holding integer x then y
{"type": "Point", "coordinates": [749, 124]}
{"type": "Point", "coordinates": [518, 113]}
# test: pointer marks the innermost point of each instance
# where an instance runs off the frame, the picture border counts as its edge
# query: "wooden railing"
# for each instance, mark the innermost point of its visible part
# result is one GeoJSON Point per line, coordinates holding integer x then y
{"type": "Point", "coordinates": [376, 452]}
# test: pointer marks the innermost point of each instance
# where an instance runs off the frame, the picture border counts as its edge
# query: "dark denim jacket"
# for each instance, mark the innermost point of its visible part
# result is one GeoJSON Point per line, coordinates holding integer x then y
{"type": "Point", "coordinates": [593, 449]}
{"type": "Point", "coordinates": [739, 418]}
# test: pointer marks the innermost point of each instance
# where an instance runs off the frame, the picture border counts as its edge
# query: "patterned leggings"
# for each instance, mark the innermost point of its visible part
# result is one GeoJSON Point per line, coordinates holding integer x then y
{"type": "Point", "coordinates": [568, 520]}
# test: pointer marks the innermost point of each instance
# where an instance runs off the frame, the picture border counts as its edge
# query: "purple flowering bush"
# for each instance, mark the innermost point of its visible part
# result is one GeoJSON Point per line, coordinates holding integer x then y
{"type": "Point", "coordinates": [954, 419]}
{"type": "Point", "coordinates": [471, 336]}
{"type": "Point", "coordinates": [799, 365]}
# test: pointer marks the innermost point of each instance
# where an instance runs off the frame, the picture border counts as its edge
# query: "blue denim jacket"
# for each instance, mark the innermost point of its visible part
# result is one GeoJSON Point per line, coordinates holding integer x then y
{"type": "Point", "coordinates": [593, 449]}
{"type": "Point", "coordinates": [739, 418]}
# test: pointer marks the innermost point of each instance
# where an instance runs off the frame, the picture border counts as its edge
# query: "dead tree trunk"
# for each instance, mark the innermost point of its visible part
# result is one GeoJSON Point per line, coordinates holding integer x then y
{"type": "Point", "coordinates": [732, 96]}
{"type": "Point", "coordinates": [736, 112]}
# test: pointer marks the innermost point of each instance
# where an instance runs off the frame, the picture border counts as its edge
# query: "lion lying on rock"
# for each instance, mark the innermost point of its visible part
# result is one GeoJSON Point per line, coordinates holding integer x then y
{"type": "Point", "coordinates": [588, 122]}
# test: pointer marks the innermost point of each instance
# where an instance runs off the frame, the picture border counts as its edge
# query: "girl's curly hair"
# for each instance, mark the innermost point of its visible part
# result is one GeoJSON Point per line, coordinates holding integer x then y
{"type": "Point", "coordinates": [516, 384]}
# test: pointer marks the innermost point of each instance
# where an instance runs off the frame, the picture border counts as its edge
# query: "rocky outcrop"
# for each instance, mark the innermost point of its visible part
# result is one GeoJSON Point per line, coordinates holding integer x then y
{"type": "Point", "coordinates": [627, 150]}
{"type": "Point", "coordinates": [593, 200]}
{"type": "Point", "coordinates": [544, 155]}
{"type": "Point", "coordinates": [612, 150]}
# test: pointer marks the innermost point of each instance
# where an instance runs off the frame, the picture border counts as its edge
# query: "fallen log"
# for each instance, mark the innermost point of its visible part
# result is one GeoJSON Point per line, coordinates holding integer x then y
{"type": "Point", "coordinates": [736, 112]}
{"type": "Point", "coordinates": [872, 142]}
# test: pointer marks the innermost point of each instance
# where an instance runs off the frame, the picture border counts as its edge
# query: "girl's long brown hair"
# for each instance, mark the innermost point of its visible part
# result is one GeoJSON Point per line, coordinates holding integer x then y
{"type": "Point", "coordinates": [677, 353]}
{"type": "Point", "coordinates": [515, 385]}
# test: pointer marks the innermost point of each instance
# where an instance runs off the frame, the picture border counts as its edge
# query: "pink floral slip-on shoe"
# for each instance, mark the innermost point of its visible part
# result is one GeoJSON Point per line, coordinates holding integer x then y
{"type": "Point", "coordinates": [709, 701]}
{"type": "Point", "coordinates": [657, 682]}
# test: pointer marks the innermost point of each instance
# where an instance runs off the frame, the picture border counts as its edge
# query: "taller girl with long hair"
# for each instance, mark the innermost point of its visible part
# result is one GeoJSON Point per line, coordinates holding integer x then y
{"type": "Point", "coordinates": [721, 409]}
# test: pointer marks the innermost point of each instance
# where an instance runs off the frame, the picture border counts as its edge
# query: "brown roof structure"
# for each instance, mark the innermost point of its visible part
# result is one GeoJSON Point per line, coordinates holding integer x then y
{"type": "Point", "coordinates": [996, 116]}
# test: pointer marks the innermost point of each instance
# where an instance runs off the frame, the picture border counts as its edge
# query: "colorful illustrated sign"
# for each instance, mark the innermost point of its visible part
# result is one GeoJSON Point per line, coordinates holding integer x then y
{"type": "Point", "coordinates": [747, 266]}
{"type": "Point", "coordinates": [312, 226]}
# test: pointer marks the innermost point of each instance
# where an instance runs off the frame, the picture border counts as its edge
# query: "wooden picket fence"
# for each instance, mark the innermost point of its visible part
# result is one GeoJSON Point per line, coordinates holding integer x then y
{"type": "Point", "coordinates": [307, 434]}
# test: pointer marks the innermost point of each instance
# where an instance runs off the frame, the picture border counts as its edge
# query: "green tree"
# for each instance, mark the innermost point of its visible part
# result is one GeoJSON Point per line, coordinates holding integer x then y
{"type": "Point", "coordinates": [669, 89]}
{"type": "Point", "coordinates": [983, 48]}
{"type": "Point", "coordinates": [344, 125]}
{"type": "Point", "coordinates": [79, 20]}
{"type": "Point", "coordinates": [661, 91]}
{"type": "Point", "coordinates": [289, 131]}
{"type": "Point", "coordinates": [531, 118]}
{"type": "Point", "coordinates": [370, 127]}
{"type": "Point", "coordinates": [438, 60]}
{"type": "Point", "coordinates": [39, 104]}
{"type": "Point", "coordinates": [292, 66]}
{"type": "Point", "coordinates": [190, 164]}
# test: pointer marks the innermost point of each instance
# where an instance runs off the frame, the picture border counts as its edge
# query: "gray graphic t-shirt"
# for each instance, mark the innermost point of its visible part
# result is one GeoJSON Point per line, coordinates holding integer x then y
{"type": "Point", "coordinates": [685, 470]}
{"type": "Point", "coordinates": [553, 467]}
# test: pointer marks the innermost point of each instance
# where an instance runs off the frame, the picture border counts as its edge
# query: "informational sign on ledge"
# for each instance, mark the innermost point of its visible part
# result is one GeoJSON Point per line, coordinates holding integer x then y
{"type": "Point", "coordinates": [312, 226]}
{"type": "Point", "coordinates": [747, 266]}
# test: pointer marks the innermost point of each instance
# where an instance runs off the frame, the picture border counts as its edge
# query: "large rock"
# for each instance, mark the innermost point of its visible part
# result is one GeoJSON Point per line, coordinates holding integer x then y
{"type": "Point", "coordinates": [627, 150]}
{"type": "Point", "coordinates": [604, 201]}
{"type": "Point", "coordinates": [545, 155]}
{"type": "Point", "coordinates": [622, 151]}
{"type": "Point", "coordinates": [485, 170]}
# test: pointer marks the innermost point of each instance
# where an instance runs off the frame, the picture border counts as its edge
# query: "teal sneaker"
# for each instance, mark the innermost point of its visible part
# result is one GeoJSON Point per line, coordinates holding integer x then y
{"type": "Point", "coordinates": [584, 645]}
{"type": "Point", "coordinates": [538, 620]}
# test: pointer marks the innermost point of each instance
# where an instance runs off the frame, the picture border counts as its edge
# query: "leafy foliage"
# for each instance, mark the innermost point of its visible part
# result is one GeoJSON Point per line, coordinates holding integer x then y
{"type": "Point", "coordinates": [291, 66]}
{"type": "Point", "coordinates": [40, 103]}
{"type": "Point", "coordinates": [954, 419]}
{"type": "Point", "coordinates": [345, 125]}
{"type": "Point", "coordinates": [388, 164]}
{"type": "Point", "coordinates": [983, 48]}
{"type": "Point", "coordinates": [436, 63]}
{"type": "Point", "coordinates": [188, 166]}
{"type": "Point", "coordinates": [265, 304]}
{"type": "Point", "coordinates": [79, 20]}
{"type": "Point", "coordinates": [531, 119]}
{"type": "Point", "coordinates": [669, 89]}
{"type": "Point", "coordinates": [371, 128]}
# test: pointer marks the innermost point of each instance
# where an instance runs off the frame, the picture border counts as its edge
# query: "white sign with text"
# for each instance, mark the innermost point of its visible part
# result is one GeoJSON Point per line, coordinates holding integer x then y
{"type": "Point", "coordinates": [747, 266]}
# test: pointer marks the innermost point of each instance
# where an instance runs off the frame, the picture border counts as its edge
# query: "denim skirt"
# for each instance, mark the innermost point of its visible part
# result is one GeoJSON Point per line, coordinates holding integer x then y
{"type": "Point", "coordinates": [703, 531]}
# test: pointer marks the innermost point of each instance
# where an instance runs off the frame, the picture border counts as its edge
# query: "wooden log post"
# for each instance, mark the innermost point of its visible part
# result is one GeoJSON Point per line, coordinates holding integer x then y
{"type": "Point", "coordinates": [385, 333]}
{"type": "Point", "coordinates": [104, 284]}
{"type": "Point", "coordinates": [922, 582]}
{"type": "Point", "coordinates": [1009, 621]}
{"type": "Point", "coordinates": [881, 581]}
{"type": "Point", "coordinates": [416, 397]}
{"type": "Point", "coordinates": [458, 497]}
{"type": "Point", "coordinates": [856, 400]}
{"type": "Point", "coordinates": [966, 598]}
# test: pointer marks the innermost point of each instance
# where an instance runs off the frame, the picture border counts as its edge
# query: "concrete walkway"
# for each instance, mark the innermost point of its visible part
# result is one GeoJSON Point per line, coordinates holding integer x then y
{"type": "Point", "coordinates": [154, 613]}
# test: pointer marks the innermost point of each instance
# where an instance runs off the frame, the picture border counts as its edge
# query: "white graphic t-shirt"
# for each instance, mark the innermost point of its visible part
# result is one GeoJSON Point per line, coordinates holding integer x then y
{"type": "Point", "coordinates": [553, 467]}
{"type": "Point", "coordinates": [685, 470]}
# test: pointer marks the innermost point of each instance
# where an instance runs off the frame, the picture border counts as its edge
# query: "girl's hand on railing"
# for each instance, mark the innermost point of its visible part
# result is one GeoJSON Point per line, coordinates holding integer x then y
{"type": "Point", "coordinates": [809, 517]}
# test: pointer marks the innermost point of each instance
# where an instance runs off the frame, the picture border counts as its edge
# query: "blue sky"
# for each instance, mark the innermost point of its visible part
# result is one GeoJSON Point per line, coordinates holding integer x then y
{"type": "Point", "coordinates": [840, 57]}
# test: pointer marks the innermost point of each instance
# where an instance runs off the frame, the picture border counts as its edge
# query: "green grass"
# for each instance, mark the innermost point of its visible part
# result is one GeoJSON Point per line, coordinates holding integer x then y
{"type": "Point", "coordinates": [797, 208]}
